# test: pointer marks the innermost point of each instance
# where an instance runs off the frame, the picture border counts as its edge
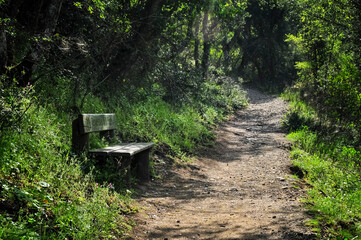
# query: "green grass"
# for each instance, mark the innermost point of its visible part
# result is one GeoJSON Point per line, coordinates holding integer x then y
{"type": "Point", "coordinates": [331, 164]}
{"type": "Point", "coordinates": [181, 129]}
{"type": "Point", "coordinates": [45, 192]}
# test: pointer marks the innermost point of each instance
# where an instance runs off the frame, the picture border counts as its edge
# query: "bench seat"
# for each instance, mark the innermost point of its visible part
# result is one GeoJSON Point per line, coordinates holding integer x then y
{"type": "Point", "coordinates": [124, 150]}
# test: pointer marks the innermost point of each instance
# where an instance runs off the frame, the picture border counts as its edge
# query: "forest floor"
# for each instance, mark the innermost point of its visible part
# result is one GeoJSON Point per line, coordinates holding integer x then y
{"type": "Point", "coordinates": [241, 188]}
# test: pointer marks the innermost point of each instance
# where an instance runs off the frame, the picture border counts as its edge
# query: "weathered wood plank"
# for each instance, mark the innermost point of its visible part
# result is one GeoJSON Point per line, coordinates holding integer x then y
{"type": "Point", "coordinates": [96, 122]}
{"type": "Point", "coordinates": [126, 150]}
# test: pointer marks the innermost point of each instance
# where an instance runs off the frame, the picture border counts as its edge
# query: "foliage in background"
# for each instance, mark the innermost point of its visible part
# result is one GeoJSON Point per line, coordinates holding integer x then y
{"type": "Point", "coordinates": [267, 59]}
{"type": "Point", "coordinates": [94, 45]}
{"type": "Point", "coordinates": [329, 74]}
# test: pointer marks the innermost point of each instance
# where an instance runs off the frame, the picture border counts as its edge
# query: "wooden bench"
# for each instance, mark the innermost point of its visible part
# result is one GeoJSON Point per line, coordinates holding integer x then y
{"type": "Point", "coordinates": [105, 124]}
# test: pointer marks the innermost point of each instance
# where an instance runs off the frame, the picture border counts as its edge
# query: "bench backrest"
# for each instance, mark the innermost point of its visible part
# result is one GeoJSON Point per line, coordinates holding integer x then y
{"type": "Point", "coordinates": [105, 124]}
{"type": "Point", "coordinates": [88, 123]}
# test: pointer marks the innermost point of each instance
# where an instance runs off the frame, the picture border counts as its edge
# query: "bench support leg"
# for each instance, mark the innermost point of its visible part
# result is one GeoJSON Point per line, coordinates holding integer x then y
{"type": "Point", "coordinates": [79, 141]}
{"type": "Point", "coordinates": [127, 167]}
{"type": "Point", "coordinates": [142, 161]}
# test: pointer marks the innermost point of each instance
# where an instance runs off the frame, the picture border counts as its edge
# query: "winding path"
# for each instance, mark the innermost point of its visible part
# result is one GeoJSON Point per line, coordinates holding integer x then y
{"type": "Point", "coordinates": [240, 189]}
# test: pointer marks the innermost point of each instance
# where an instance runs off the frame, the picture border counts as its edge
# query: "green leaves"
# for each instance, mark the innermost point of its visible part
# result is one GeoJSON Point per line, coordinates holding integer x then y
{"type": "Point", "coordinates": [330, 72]}
{"type": "Point", "coordinates": [78, 4]}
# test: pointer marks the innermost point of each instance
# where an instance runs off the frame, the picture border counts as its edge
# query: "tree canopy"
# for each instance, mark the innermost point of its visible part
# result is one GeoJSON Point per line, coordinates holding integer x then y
{"type": "Point", "coordinates": [98, 43]}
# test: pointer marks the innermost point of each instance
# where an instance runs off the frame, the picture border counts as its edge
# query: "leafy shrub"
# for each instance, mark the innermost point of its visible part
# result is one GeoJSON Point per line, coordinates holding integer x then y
{"type": "Point", "coordinates": [223, 93]}
{"type": "Point", "coordinates": [300, 115]}
{"type": "Point", "coordinates": [14, 102]}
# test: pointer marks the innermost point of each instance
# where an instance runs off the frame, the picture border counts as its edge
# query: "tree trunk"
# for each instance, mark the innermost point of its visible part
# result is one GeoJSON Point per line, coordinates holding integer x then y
{"type": "Point", "coordinates": [206, 46]}
{"type": "Point", "coordinates": [226, 47]}
{"type": "Point", "coordinates": [3, 49]}
{"type": "Point", "coordinates": [136, 48]}
{"type": "Point", "coordinates": [52, 15]}
{"type": "Point", "coordinates": [44, 19]}
{"type": "Point", "coordinates": [196, 45]}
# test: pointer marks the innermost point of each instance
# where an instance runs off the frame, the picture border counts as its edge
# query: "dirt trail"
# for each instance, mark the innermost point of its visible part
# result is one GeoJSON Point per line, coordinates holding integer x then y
{"type": "Point", "coordinates": [240, 189]}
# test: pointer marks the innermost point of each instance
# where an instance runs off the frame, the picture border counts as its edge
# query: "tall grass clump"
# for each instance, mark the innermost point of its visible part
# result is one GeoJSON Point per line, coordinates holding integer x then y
{"type": "Point", "coordinates": [178, 128]}
{"type": "Point", "coordinates": [158, 121]}
{"type": "Point", "coordinates": [330, 160]}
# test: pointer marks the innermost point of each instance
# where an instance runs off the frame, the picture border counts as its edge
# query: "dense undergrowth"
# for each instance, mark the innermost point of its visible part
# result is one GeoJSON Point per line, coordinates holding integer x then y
{"type": "Point", "coordinates": [328, 154]}
{"type": "Point", "coordinates": [47, 192]}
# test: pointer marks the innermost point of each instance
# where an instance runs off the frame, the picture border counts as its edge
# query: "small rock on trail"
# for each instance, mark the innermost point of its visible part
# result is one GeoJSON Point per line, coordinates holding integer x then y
{"type": "Point", "coordinates": [239, 189]}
